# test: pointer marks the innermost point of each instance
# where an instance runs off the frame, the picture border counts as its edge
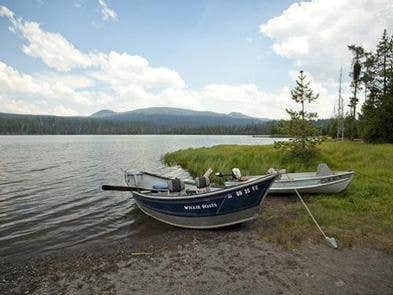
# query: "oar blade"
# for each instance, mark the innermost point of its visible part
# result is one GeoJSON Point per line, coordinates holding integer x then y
{"type": "Point", "coordinates": [331, 242]}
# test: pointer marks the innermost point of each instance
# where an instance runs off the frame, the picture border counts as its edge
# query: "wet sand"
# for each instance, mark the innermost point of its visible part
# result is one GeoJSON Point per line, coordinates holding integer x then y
{"type": "Point", "coordinates": [235, 260]}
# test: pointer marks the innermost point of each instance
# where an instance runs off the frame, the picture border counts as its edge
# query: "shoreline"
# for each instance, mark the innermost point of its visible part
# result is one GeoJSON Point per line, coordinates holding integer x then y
{"type": "Point", "coordinates": [172, 260]}
{"type": "Point", "coordinates": [346, 214]}
{"type": "Point", "coordinates": [280, 252]}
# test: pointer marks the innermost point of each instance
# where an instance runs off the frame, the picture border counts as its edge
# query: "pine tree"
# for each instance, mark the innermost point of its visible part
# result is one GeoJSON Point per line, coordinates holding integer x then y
{"type": "Point", "coordinates": [301, 128]}
{"type": "Point", "coordinates": [357, 75]}
{"type": "Point", "coordinates": [376, 120]}
{"type": "Point", "coordinates": [383, 62]}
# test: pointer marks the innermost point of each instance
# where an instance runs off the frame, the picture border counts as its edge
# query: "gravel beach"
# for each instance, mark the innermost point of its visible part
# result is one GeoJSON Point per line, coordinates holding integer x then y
{"type": "Point", "coordinates": [234, 260]}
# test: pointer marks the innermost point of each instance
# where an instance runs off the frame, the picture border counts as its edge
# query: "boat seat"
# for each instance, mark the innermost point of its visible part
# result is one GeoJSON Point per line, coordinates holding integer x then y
{"type": "Point", "coordinates": [202, 182]}
{"type": "Point", "coordinates": [160, 186]}
{"type": "Point", "coordinates": [175, 185]}
{"type": "Point", "coordinates": [323, 170]}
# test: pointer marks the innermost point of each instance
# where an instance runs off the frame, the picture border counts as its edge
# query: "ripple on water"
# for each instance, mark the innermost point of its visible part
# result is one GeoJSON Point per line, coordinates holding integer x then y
{"type": "Point", "coordinates": [50, 196]}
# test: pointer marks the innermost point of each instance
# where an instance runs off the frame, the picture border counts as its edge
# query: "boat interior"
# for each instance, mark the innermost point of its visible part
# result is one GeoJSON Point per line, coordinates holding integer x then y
{"type": "Point", "coordinates": [161, 185]}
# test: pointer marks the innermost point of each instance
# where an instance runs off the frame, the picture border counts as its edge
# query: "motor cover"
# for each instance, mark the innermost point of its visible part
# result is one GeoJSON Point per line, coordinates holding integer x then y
{"type": "Point", "coordinates": [202, 182]}
{"type": "Point", "coordinates": [236, 174]}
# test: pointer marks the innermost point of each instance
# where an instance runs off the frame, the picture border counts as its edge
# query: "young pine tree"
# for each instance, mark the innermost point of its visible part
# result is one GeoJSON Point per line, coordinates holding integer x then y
{"type": "Point", "coordinates": [376, 120]}
{"type": "Point", "coordinates": [301, 128]}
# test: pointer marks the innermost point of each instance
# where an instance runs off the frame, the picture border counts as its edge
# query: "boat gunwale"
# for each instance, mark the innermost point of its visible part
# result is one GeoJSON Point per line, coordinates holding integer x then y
{"type": "Point", "coordinates": [212, 193]}
{"type": "Point", "coordinates": [340, 173]}
{"type": "Point", "coordinates": [273, 189]}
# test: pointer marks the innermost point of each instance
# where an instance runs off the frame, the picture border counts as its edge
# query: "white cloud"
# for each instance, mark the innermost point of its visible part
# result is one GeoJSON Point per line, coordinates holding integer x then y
{"type": "Point", "coordinates": [52, 48]}
{"type": "Point", "coordinates": [292, 47]}
{"type": "Point", "coordinates": [5, 12]}
{"type": "Point", "coordinates": [64, 111]}
{"type": "Point", "coordinates": [108, 14]}
{"type": "Point", "coordinates": [120, 76]}
{"type": "Point", "coordinates": [84, 82]}
{"type": "Point", "coordinates": [19, 106]}
{"type": "Point", "coordinates": [74, 81]}
{"type": "Point", "coordinates": [121, 70]}
{"type": "Point", "coordinates": [245, 98]}
{"type": "Point", "coordinates": [14, 83]}
{"type": "Point", "coordinates": [315, 34]}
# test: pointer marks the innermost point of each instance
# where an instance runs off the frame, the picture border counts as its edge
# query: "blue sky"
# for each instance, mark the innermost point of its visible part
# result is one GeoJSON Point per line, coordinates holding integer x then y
{"type": "Point", "coordinates": [205, 41]}
{"type": "Point", "coordinates": [207, 55]}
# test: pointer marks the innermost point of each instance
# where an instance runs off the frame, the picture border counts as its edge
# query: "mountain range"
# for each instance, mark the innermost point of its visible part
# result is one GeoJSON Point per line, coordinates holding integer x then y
{"type": "Point", "coordinates": [165, 116]}
{"type": "Point", "coordinates": [157, 120]}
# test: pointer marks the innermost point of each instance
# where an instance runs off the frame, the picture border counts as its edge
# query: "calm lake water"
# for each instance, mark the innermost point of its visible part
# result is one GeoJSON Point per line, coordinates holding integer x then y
{"type": "Point", "coordinates": [50, 196]}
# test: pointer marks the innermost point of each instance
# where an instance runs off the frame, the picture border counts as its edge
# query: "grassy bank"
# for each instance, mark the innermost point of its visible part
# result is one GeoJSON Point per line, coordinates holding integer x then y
{"type": "Point", "coordinates": [362, 215]}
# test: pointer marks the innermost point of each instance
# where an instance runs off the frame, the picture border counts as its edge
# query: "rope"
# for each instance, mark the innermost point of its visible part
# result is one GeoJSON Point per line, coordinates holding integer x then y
{"type": "Point", "coordinates": [309, 212]}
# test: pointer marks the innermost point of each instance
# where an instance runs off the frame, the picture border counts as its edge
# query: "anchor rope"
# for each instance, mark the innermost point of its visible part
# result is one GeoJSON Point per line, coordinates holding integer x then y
{"type": "Point", "coordinates": [309, 212]}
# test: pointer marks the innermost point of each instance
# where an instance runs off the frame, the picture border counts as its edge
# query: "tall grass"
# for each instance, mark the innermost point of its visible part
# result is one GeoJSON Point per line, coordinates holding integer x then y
{"type": "Point", "coordinates": [362, 215]}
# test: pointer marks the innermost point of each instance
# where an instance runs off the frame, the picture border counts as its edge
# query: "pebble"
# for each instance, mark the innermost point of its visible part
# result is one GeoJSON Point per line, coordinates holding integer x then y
{"type": "Point", "coordinates": [339, 283]}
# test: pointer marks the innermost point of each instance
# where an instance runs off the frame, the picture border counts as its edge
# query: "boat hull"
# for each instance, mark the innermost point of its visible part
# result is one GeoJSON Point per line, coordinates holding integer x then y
{"type": "Point", "coordinates": [312, 187]}
{"type": "Point", "coordinates": [208, 210]}
{"type": "Point", "coordinates": [204, 222]}
{"type": "Point", "coordinates": [330, 184]}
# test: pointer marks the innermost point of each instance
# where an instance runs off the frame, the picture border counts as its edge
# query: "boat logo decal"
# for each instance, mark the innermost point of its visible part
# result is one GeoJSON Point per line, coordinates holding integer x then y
{"type": "Point", "coordinates": [199, 207]}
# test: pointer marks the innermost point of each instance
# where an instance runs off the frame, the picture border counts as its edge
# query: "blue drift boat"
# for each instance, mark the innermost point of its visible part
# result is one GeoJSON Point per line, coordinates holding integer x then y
{"type": "Point", "coordinates": [211, 208]}
{"type": "Point", "coordinates": [198, 205]}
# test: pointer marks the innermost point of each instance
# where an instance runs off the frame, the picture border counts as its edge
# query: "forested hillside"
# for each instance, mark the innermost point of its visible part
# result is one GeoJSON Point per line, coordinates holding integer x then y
{"type": "Point", "coordinates": [12, 124]}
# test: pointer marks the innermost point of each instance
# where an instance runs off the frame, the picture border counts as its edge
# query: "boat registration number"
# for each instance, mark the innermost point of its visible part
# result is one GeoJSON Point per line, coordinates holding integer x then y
{"type": "Point", "coordinates": [244, 192]}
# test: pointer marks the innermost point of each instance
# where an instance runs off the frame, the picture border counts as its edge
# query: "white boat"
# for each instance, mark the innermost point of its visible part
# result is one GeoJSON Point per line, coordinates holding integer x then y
{"type": "Point", "coordinates": [323, 181]}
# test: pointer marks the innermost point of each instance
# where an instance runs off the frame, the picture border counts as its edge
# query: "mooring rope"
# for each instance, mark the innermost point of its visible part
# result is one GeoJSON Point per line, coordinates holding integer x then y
{"type": "Point", "coordinates": [330, 240]}
{"type": "Point", "coordinates": [309, 212]}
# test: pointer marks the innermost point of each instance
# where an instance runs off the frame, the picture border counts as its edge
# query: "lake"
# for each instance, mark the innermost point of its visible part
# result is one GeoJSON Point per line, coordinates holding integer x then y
{"type": "Point", "coordinates": [50, 196]}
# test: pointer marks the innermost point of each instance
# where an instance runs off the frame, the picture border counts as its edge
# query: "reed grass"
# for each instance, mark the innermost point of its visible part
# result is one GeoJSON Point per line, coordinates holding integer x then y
{"type": "Point", "coordinates": [362, 215]}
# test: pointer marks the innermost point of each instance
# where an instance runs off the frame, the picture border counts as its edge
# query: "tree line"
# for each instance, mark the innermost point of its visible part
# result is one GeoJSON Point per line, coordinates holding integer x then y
{"type": "Point", "coordinates": [35, 125]}
{"type": "Point", "coordinates": [372, 76]}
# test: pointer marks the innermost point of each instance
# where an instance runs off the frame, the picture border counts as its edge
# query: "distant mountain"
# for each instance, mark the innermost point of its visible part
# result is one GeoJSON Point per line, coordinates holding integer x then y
{"type": "Point", "coordinates": [103, 113]}
{"type": "Point", "coordinates": [164, 116]}
{"type": "Point", "coordinates": [158, 120]}
{"type": "Point", "coordinates": [143, 121]}
{"type": "Point", "coordinates": [240, 115]}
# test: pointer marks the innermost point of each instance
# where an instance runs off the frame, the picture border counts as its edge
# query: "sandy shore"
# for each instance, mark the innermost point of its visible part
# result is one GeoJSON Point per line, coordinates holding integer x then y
{"type": "Point", "coordinates": [234, 260]}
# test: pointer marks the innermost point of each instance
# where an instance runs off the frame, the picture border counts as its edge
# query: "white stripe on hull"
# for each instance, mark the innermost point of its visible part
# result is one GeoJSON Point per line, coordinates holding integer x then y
{"type": "Point", "coordinates": [207, 222]}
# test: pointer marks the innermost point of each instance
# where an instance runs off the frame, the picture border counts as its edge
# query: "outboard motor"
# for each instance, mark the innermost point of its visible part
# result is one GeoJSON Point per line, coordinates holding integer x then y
{"type": "Point", "coordinates": [236, 174]}
{"type": "Point", "coordinates": [175, 185]}
{"type": "Point", "coordinates": [202, 182]}
{"type": "Point", "coordinates": [323, 170]}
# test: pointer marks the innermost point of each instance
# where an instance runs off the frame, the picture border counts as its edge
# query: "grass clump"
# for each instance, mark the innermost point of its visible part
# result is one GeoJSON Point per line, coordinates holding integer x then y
{"type": "Point", "coordinates": [361, 215]}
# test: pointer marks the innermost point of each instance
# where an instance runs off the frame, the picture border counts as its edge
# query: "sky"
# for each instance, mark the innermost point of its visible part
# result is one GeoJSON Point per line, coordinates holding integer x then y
{"type": "Point", "coordinates": [77, 57]}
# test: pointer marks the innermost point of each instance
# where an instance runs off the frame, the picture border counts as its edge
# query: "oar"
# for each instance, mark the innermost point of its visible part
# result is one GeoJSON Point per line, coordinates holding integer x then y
{"type": "Point", "coordinates": [220, 174]}
{"type": "Point", "coordinates": [106, 187]}
{"type": "Point", "coordinates": [330, 240]}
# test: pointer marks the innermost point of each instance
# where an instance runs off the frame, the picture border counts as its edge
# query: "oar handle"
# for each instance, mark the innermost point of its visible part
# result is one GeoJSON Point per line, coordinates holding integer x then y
{"type": "Point", "coordinates": [220, 174]}
{"type": "Point", "coordinates": [106, 187]}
